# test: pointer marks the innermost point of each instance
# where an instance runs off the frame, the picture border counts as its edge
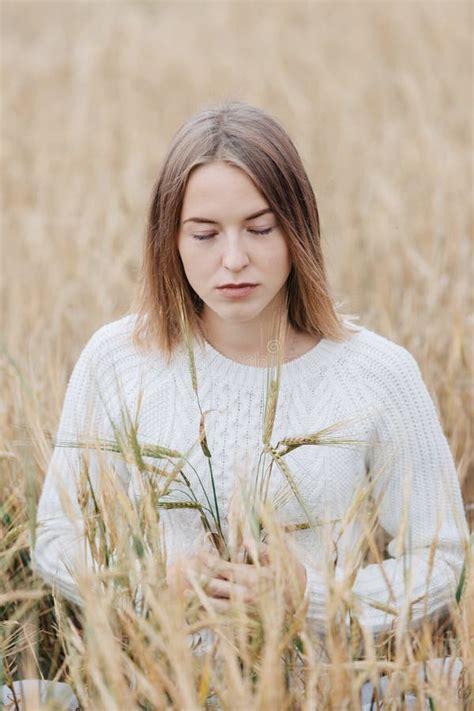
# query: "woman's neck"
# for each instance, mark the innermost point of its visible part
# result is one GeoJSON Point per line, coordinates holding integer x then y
{"type": "Point", "coordinates": [263, 349]}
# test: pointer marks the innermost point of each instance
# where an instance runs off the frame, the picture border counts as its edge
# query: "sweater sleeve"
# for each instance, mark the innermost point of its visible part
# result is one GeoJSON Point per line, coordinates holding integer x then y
{"type": "Point", "coordinates": [61, 547]}
{"type": "Point", "coordinates": [419, 501]}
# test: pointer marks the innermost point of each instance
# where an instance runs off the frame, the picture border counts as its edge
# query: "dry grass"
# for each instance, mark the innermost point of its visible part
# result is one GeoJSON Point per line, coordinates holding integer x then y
{"type": "Point", "coordinates": [377, 97]}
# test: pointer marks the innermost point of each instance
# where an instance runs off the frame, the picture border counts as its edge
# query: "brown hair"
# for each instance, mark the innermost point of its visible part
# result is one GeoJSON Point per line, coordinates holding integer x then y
{"type": "Point", "coordinates": [248, 138]}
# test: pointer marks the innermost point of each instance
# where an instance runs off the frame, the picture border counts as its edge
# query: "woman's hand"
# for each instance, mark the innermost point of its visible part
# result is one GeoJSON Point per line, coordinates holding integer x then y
{"type": "Point", "coordinates": [241, 581]}
{"type": "Point", "coordinates": [186, 572]}
{"type": "Point", "coordinates": [221, 581]}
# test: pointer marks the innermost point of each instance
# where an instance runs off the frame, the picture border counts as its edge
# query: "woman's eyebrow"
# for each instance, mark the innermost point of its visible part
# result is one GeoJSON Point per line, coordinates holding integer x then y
{"type": "Point", "coordinates": [213, 222]}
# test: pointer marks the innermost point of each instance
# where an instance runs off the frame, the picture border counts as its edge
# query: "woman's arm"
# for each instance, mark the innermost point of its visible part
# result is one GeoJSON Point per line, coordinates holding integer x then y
{"type": "Point", "coordinates": [419, 498]}
{"type": "Point", "coordinates": [61, 548]}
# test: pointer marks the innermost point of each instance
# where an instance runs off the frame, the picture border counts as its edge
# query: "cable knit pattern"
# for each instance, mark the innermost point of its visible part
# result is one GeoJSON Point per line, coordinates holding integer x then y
{"type": "Point", "coordinates": [369, 385]}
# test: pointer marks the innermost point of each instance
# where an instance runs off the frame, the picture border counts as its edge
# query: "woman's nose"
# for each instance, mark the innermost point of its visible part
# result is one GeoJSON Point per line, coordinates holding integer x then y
{"type": "Point", "coordinates": [235, 256]}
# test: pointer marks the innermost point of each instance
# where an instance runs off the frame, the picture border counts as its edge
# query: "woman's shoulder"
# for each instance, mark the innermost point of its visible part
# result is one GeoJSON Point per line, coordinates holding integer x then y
{"type": "Point", "coordinates": [108, 339]}
{"type": "Point", "coordinates": [113, 334]}
{"type": "Point", "coordinates": [378, 359]}
{"type": "Point", "coordinates": [382, 377]}
{"type": "Point", "coordinates": [112, 346]}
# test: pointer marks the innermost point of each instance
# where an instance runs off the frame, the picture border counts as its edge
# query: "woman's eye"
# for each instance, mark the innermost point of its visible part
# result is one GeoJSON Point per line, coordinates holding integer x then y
{"type": "Point", "coordinates": [203, 237]}
{"type": "Point", "coordinates": [262, 232]}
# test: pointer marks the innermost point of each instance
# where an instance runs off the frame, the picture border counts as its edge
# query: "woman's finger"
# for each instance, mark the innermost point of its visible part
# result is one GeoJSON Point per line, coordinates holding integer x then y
{"type": "Point", "coordinates": [257, 551]}
{"type": "Point", "coordinates": [220, 604]}
{"type": "Point", "coordinates": [225, 589]}
{"type": "Point", "coordinates": [250, 577]}
{"type": "Point", "coordinates": [234, 572]}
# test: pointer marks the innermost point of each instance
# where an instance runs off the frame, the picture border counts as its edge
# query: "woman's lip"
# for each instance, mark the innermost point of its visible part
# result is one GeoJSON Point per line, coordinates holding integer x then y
{"type": "Point", "coordinates": [236, 291]}
{"type": "Point", "coordinates": [235, 286]}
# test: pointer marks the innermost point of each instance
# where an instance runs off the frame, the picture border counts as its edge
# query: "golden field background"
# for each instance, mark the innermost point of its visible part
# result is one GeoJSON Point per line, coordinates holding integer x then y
{"type": "Point", "coordinates": [377, 97]}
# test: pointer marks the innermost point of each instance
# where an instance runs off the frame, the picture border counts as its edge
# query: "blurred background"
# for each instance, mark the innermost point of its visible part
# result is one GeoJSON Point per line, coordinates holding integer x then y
{"type": "Point", "coordinates": [377, 97]}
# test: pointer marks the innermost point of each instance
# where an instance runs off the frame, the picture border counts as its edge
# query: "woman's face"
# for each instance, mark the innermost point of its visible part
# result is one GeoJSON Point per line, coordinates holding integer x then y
{"type": "Point", "coordinates": [228, 234]}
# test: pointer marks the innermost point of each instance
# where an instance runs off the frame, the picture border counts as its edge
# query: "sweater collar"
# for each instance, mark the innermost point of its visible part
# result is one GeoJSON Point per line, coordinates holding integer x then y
{"type": "Point", "coordinates": [210, 363]}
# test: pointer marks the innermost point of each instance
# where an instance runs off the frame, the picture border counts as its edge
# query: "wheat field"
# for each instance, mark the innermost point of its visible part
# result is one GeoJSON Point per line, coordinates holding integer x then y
{"type": "Point", "coordinates": [378, 98]}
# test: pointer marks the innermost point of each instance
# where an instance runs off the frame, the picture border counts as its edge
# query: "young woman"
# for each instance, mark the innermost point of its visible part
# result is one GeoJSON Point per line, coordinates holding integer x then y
{"type": "Point", "coordinates": [233, 251]}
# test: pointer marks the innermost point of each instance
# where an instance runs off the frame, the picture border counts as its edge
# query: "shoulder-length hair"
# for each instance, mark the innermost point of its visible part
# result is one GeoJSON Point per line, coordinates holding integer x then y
{"type": "Point", "coordinates": [250, 139]}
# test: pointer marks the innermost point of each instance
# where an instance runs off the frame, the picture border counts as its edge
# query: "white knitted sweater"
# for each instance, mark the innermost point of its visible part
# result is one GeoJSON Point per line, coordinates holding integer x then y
{"type": "Point", "coordinates": [368, 384]}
